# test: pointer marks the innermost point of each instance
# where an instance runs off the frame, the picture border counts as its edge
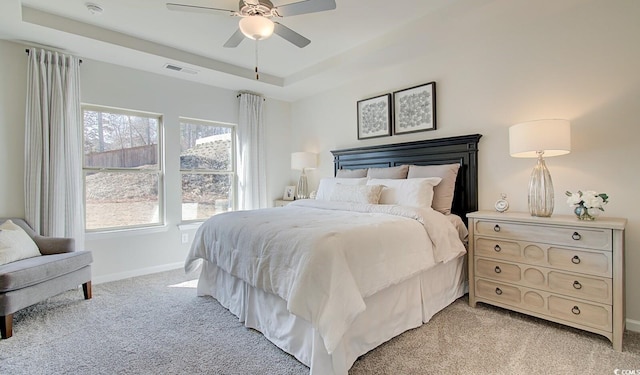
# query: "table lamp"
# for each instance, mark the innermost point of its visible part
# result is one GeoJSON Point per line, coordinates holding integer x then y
{"type": "Point", "coordinates": [533, 139]}
{"type": "Point", "coordinates": [302, 161]}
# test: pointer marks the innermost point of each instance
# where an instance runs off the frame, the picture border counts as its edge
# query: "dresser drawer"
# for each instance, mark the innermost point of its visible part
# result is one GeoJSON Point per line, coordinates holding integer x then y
{"type": "Point", "coordinates": [588, 288]}
{"type": "Point", "coordinates": [501, 249]}
{"type": "Point", "coordinates": [591, 238]}
{"type": "Point", "coordinates": [497, 270]}
{"type": "Point", "coordinates": [591, 263]}
{"type": "Point", "coordinates": [498, 292]}
{"type": "Point", "coordinates": [590, 315]}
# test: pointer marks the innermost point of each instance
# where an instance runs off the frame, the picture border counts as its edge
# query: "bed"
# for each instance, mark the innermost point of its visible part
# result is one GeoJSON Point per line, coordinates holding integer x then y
{"type": "Point", "coordinates": [325, 280]}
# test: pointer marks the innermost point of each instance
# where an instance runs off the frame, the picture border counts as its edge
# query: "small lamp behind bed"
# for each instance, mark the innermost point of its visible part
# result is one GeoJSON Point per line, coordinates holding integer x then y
{"type": "Point", "coordinates": [302, 161]}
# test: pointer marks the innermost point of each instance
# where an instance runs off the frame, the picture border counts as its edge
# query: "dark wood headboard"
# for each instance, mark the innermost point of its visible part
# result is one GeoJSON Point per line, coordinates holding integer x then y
{"type": "Point", "coordinates": [461, 149]}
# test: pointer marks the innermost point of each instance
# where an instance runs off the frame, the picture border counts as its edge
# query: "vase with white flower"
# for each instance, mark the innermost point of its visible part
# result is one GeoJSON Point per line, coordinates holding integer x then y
{"type": "Point", "coordinates": [588, 204]}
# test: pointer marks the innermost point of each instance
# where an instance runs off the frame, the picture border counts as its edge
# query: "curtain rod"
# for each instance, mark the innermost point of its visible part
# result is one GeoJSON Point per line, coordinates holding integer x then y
{"type": "Point", "coordinates": [252, 93]}
{"type": "Point", "coordinates": [27, 51]}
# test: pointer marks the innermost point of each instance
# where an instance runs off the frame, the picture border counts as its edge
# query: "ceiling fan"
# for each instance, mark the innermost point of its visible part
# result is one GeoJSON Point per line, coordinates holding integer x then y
{"type": "Point", "coordinates": [256, 18]}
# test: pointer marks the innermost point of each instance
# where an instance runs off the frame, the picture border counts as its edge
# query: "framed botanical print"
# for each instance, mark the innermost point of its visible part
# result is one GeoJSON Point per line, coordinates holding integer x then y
{"type": "Point", "coordinates": [374, 117]}
{"type": "Point", "coordinates": [414, 109]}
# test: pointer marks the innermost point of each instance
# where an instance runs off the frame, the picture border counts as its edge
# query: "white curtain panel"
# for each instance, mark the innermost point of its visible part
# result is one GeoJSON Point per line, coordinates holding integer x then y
{"type": "Point", "coordinates": [53, 146]}
{"type": "Point", "coordinates": [252, 180]}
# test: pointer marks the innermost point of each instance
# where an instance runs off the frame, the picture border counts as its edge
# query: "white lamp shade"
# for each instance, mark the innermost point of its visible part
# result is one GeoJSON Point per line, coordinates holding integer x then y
{"type": "Point", "coordinates": [256, 27]}
{"type": "Point", "coordinates": [553, 137]}
{"type": "Point", "coordinates": [304, 160]}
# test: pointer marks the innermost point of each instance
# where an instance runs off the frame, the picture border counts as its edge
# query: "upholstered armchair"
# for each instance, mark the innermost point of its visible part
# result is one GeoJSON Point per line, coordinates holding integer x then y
{"type": "Point", "coordinates": [28, 281]}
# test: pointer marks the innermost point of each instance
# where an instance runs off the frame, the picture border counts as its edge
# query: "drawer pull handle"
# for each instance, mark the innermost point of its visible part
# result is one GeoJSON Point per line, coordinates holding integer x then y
{"type": "Point", "coordinates": [497, 269]}
{"type": "Point", "coordinates": [496, 228]}
{"type": "Point", "coordinates": [576, 310]}
{"type": "Point", "coordinates": [577, 285]}
{"type": "Point", "coordinates": [575, 259]}
{"type": "Point", "coordinates": [497, 248]}
{"type": "Point", "coordinates": [498, 291]}
{"type": "Point", "coordinates": [576, 236]}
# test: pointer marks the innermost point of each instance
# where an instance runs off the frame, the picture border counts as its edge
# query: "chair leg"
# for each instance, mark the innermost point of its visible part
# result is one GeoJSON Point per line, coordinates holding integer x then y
{"type": "Point", "coordinates": [6, 326]}
{"type": "Point", "coordinates": [86, 289]}
{"type": "Point", "coordinates": [6, 322]}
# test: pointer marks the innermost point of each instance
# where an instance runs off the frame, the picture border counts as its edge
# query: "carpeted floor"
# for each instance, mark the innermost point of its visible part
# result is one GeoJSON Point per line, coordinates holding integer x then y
{"type": "Point", "coordinates": [156, 324]}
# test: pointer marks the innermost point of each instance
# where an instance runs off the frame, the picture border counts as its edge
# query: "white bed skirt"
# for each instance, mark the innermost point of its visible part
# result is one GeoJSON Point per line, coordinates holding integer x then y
{"type": "Point", "coordinates": [391, 311]}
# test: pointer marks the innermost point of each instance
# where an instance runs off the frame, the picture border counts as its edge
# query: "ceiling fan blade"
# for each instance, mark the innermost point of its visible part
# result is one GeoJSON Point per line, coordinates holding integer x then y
{"type": "Point", "coordinates": [235, 39]}
{"type": "Point", "coordinates": [304, 7]}
{"type": "Point", "coordinates": [199, 9]}
{"type": "Point", "coordinates": [290, 35]}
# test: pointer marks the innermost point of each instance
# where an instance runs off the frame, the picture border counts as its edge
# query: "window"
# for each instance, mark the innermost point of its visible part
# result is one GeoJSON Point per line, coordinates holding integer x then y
{"type": "Point", "coordinates": [122, 168]}
{"type": "Point", "coordinates": [207, 167]}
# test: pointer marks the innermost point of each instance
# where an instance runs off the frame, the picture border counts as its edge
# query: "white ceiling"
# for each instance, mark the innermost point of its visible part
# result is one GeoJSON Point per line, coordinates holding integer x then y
{"type": "Point", "coordinates": [144, 34]}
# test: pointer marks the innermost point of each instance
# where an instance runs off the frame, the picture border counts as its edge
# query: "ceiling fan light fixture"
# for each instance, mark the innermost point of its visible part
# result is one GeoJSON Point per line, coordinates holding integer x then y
{"type": "Point", "coordinates": [256, 27]}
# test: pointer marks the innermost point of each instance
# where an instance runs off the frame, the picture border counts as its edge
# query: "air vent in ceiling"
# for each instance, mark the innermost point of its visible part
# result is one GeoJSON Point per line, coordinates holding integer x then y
{"type": "Point", "coordinates": [180, 69]}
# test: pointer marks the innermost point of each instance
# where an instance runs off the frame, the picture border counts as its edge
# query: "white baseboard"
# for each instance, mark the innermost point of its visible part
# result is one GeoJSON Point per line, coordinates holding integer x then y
{"type": "Point", "coordinates": [137, 272]}
{"type": "Point", "coordinates": [633, 325]}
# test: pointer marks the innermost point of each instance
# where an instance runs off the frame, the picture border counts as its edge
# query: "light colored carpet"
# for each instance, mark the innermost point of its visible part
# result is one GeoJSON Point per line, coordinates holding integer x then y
{"type": "Point", "coordinates": [156, 324]}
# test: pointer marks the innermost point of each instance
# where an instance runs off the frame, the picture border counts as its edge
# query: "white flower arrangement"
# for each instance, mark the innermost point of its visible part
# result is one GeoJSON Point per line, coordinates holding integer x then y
{"type": "Point", "coordinates": [587, 203]}
{"type": "Point", "coordinates": [588, 199]}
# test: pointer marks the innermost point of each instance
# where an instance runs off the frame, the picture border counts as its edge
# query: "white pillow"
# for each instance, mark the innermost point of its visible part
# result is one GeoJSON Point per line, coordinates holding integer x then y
{"type": "Point", "coordinates": [356, 193]}
{"type": "Point", "coordinates": [443, 193]}
{"type": "Point", "coordinates": [414, 192]}
{"type": "Point", "coordinates": [327, 184]}
{"type": "Point", "coordinates": [15, 243]}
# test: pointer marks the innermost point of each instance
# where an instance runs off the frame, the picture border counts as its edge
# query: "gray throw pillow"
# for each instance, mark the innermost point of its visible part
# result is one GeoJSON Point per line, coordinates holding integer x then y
{"type": "Point", "coordinates": [351, 173]}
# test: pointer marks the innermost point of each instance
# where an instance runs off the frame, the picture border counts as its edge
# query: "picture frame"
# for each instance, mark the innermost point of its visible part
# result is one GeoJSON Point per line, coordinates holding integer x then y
{"type": "Point", "coordinates": [414, 109]}
{"type": "Point", "coordinates": [374, 117]}
{"type": "Point", "coordinates": [289, 193]}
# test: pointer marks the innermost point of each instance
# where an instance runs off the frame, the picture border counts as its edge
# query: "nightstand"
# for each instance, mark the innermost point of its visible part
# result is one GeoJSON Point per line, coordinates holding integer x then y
{"type": "Point", "coordinates": [280, 203]}
{"type": "Point", "coordinates": [557, 268]}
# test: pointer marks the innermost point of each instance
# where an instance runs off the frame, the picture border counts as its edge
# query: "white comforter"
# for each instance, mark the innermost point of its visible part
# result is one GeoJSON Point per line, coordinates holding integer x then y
{"type": "Point", "coordinates": [322, 257]}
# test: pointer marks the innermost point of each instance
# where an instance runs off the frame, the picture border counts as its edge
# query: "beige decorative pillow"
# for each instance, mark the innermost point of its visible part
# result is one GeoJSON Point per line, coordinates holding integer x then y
{"type": "Point", "coordinates": [391, 172]}
{"type": "Point", "coordinates": [15, 243]}
{"type": "Point", "coordinates": [351, 173]}
{"type": "Point", "coordinates": [356, 193]}
{"type": "Point", "coordinates": [443, 192]}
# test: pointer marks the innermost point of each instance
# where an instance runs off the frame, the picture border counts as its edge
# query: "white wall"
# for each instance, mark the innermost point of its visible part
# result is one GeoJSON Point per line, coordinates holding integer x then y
{"type": "Point", "coordinates": [13, 88]}
{"type": "Point", "coordinates": [503, 63]}
{"type": "Point", "coordinates": [132, 253]}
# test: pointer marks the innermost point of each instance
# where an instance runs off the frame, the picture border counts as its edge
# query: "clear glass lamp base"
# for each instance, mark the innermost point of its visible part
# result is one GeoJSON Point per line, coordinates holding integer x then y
{"type": "Point", "coordinates": [540, 190]}
{"type": "Point", "coordinates": [302, 187]}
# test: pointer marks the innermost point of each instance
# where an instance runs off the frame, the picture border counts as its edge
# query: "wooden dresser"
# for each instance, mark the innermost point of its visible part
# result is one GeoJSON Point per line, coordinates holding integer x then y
{"type": "Point", "coordinates": [556, 268]}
